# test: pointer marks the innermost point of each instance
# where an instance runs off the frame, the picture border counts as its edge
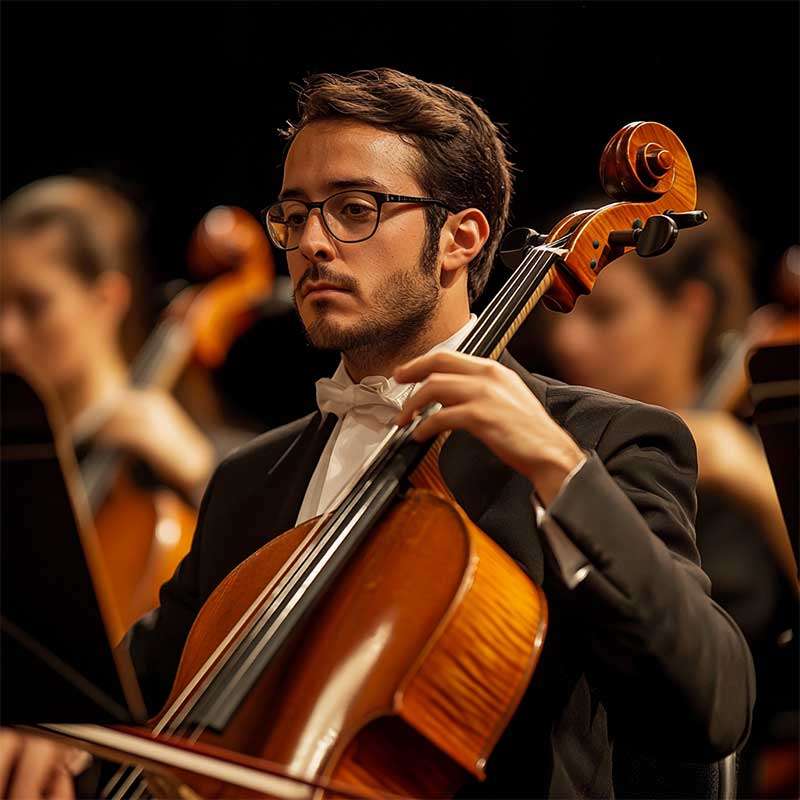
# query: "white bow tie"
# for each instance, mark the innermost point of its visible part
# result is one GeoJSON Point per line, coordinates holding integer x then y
{"type": "Point", "coordinates": [372, 394]}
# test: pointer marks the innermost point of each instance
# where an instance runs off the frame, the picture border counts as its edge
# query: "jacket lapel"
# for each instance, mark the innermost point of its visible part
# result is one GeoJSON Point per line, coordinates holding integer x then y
{"type": "Point", "coordinates": [290, 476]}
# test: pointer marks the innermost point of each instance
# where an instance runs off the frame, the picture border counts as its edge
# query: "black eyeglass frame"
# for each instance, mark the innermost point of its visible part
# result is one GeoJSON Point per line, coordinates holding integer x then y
{"type": "Point", "coordinates": [380, 198]}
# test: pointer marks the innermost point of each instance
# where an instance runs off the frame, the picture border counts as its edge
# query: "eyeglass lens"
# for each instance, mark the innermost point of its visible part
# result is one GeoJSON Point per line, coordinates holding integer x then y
{"type": "Point", "coordinates": [349, 216]}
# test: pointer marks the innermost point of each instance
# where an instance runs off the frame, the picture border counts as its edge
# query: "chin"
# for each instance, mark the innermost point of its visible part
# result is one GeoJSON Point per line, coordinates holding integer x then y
{"type": "Point", "coordinates": [328, 333]}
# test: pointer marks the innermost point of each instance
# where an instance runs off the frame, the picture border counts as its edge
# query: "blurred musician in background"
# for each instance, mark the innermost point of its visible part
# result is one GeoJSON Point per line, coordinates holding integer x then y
{"type": "Point", "coordinates": [71, 268]}
{"type": "Point", "coordinates": [653, 330]}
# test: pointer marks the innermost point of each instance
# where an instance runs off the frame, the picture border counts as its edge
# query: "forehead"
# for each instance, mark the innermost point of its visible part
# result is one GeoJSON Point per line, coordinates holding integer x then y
{"type": "Point", "coordinates": [34, 258]}
{"type": "Point", "coordinates": [328, 153]}
{"type": "Point", "coordinates": [624, 282]}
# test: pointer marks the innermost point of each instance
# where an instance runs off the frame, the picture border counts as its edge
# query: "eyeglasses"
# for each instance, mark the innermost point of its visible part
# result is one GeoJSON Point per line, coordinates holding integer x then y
{"type": "Point", "coordinates": [349, 216]}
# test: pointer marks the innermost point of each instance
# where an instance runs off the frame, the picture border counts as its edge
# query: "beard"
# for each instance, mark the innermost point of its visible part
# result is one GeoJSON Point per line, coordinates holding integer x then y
{"type": "Point", "coordinates": [401, 307]}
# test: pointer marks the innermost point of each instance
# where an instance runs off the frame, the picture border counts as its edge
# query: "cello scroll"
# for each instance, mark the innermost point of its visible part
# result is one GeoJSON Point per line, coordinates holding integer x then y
{"type": "Point", "coordinates": [646, 168]}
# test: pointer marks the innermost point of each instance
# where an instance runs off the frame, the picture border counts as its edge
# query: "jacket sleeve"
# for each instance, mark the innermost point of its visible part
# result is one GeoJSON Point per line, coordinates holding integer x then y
{"type": "Point", "coordinates": [673, 665]}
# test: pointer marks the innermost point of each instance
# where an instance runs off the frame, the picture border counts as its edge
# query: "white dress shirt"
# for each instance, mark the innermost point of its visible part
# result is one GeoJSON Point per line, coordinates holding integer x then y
{"type": "Point", "coordinates": [365, 411]}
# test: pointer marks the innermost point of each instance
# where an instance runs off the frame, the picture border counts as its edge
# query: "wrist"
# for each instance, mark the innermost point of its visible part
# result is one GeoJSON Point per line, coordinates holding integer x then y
{"type": "Point", "coordinates": [553, 467]}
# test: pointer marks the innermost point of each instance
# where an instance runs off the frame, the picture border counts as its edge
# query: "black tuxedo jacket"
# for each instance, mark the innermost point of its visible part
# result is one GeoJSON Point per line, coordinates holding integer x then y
{"type": "Point", "coordinates": [638, 647]}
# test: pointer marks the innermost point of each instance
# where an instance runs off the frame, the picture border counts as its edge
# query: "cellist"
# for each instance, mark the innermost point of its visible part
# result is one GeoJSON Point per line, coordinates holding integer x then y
{"type": "Point", "coordinates": [68, 304]}
{"type": "Point", "coordinates": [394, 199]}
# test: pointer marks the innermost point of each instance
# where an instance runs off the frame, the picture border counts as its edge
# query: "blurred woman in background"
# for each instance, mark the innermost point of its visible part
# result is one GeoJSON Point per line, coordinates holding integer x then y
{"type": "Point", "coordinates": [71, 269]}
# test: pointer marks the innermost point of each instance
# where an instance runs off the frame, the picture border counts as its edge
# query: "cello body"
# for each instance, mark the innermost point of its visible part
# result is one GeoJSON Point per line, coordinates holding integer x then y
{"type": "Point", "coordinates": [143, 535]}
{"type": "Point", "coordinates": [407, 672]}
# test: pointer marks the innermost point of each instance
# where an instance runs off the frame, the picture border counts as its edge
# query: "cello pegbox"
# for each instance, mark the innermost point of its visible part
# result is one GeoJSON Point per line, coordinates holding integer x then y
{"type": "Point", "coordinates": [646, 168]}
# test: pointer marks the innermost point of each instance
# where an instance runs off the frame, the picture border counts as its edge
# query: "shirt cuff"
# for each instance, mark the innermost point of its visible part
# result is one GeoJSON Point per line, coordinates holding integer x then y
{"type": "Point", "coordinates": [572, 563]}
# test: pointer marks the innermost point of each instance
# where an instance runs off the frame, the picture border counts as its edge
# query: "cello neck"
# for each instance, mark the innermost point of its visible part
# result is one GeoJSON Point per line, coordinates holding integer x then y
{"type": "Point", "coordinates": [508, 309]}
{"type": "Point", "coordinates": [159, 363]}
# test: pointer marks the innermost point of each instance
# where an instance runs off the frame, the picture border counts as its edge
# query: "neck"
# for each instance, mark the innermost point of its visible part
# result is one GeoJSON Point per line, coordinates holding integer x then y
{"type": "Point", "coordinates": [374, 360]}
{"type": "Point", "coordinates": [104, 376]}
{"type": "Point", "coordinates": [679, 392]}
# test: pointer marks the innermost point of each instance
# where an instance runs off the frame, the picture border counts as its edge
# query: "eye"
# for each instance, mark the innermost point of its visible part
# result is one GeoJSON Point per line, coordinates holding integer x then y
{"type": "Point", "coordinates": [33, 304]}
{"type": "Point", "coordinates": [355, 209]}
{"type": "Point", "coordinates": [295, 220]}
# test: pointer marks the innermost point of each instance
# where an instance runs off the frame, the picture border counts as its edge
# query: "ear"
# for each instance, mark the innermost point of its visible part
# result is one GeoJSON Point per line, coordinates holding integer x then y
{"type": "Point", "coordinates": [462, 237]}
{"type": "Point", "coordinates": [113, 291]}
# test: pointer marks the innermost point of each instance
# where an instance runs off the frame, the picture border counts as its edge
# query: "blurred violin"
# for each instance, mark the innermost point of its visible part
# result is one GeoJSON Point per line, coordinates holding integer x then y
{"type": "Point", "coordinates": [145, 532]}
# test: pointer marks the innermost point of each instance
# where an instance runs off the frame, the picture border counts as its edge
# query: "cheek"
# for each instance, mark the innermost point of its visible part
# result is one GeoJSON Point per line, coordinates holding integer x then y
{"type": "Point", "coordinates": [64, 338]}
{"type": "Point", "coordinates": [398, 250]}
{"type": "Point", "coordinates": [637, 346]}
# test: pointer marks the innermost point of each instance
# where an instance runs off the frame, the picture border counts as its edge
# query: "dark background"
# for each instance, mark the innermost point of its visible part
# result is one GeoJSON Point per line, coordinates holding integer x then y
{"type": "Point", "coordinates": [182, 100]}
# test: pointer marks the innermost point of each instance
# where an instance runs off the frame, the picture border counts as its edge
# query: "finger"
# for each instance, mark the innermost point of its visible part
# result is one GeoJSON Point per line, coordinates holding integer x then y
{"type": "Point", "coordinates": [10, 747]}
{"type": "Point", "coordinates": [62, 785]}
{"type": "Point", "coordinates": [35, 767]}
{"type": "Point", "coordinates": [449, 390]}
{"type": "Point", "coordinates": [443, 361]}
{"type": "Point", "coordinates": [462, 417]}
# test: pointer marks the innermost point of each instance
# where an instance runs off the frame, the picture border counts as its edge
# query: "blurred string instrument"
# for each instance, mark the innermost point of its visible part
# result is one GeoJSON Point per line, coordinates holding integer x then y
{"type": "Point", "coordinates": [727, 384]}
{"type": "Point", "coordinates": [773, 367]}
{"type": "Point", "coordinates": [389, 693]}
{"type": "Point", "coordinates": [144, 532]}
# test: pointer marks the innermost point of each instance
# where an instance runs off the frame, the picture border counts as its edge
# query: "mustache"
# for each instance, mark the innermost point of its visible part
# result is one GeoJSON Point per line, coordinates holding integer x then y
{"type": "Point", "coordinates": [323, 272]}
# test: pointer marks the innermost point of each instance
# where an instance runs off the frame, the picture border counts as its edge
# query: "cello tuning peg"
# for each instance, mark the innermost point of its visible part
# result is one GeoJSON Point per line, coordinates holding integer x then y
{"type": "Point", "coordinates": [688, 219]}
{"type": "Point", "coordinates": [626, 238]}
{"type": "Point", "coordinates": [658, 235]}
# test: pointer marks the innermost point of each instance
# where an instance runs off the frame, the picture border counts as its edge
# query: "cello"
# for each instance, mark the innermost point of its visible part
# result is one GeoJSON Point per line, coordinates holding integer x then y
{"type": "Point", "coordinates": [424, 642]}
{"type": "Point", "coordinates": [144, 533]}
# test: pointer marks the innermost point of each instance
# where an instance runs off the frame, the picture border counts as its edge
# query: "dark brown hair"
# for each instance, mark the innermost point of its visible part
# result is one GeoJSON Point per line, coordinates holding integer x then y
{"type": "Point", "coordinates": [463, 154]}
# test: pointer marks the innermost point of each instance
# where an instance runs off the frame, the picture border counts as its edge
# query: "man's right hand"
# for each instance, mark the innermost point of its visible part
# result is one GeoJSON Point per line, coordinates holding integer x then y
{"type": "Point", "coordinates": [34, 767]}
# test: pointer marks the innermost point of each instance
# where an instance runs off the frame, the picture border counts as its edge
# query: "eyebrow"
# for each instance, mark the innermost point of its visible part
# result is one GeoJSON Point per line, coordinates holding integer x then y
{"type": "Point", "coordinates": [338, 185]}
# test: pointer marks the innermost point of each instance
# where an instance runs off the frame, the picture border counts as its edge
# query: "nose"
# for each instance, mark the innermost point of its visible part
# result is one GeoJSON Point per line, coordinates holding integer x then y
{"type": "Point", "coordinates": [316, 244]}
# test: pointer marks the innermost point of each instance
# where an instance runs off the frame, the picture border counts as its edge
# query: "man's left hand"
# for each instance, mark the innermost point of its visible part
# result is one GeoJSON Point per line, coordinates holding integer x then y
{"type": "Point", "coordinates": [492, 403]}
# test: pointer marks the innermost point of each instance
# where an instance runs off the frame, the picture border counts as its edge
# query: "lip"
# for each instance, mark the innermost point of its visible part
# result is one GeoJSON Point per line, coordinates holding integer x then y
{"type": "Point", "coordinates": [318, 288]}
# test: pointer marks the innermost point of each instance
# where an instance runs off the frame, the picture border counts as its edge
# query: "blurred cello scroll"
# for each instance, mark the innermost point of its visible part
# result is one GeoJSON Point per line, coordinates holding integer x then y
{"type": "Point", "coordinates": [144, 532]}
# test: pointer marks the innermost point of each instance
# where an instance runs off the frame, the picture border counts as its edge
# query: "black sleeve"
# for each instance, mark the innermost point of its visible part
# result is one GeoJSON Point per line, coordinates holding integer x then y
{"type": "Point", "coordinates": [674, 667]}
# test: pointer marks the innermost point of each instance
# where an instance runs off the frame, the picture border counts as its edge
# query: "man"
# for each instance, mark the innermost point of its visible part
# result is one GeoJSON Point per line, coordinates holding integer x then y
{"type": "Point", "coordinates": [634, 642]}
